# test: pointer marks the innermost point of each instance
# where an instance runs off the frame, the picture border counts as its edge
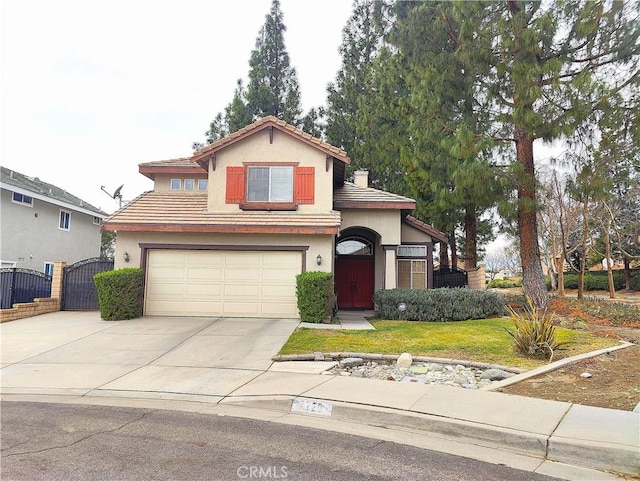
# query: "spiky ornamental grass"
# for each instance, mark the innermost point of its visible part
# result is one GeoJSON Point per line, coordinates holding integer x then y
{"type": "Point", "coordinates": [535, 332]}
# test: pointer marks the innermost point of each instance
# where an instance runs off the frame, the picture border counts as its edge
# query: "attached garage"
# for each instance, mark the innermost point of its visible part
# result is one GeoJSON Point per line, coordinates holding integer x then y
{"type": "Point", "coordinates": [230, 283]}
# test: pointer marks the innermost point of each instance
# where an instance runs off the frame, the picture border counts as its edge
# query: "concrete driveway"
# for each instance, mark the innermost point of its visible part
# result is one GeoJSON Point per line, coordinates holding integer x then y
{"type": "Point", "coordinates": [174, 358]}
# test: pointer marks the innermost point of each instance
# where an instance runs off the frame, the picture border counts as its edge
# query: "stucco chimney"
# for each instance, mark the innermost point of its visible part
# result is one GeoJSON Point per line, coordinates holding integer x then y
{"type": "Point", "coordinates": [361, 178]}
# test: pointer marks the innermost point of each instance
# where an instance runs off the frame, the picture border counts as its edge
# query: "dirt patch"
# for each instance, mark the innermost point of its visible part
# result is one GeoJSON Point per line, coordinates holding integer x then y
{"type": "Point", "coordinates": [614, 382]}
{"type": "Point", "coordinates": [615, 377]}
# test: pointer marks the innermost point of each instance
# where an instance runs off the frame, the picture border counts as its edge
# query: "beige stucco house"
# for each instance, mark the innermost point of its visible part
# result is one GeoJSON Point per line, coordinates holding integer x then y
{"type": "Point", "coordinates": [226, 231]}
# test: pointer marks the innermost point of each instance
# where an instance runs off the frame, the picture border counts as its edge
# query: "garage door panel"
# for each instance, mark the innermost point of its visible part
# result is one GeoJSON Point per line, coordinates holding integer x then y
{"type": "Point", "coordinates": [205, 273]}
{"type": "Point", "coordinates": [242, 290]}
{"type": "Point", "coordinates": [241, 274]}
{"type": "Point", "coordinates": [222, 283]}
{"type": "Point", "coordinates": [203, 290]}
{"type": "Point", "coordinates": [199, 308]}
{"type": "Point", "coordinates": [283, 276]}
{"type": "Point", "coordinates": [277, 292]}
{"type": "Point", "coordinates": [166, 289]}
{"type": "Point", "coordinates": [205, 258]}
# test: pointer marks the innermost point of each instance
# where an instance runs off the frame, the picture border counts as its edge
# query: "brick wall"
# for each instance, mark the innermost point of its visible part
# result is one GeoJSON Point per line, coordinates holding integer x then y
{"type": "Point", "coordinates": [39, 305]}
{"type": "Point", "coordinates": [476, 278]}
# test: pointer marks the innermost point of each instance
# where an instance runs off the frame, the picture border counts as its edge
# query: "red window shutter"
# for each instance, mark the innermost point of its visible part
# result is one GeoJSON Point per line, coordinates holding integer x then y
{"type": "Point", "coordinates": [304, 185]}
{"type": "Point", "coordinates": [235, 185]}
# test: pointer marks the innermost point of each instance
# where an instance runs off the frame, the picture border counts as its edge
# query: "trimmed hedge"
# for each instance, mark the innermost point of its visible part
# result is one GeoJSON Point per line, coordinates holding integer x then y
{"type": "Point", "coordinates": [120, 293]}
{"type": "Point", "coordinates": [438, 305]}
{"type": "Point", "coordinates": [315, 296]}
{"type": "Point", "coordinates": [598, 281]}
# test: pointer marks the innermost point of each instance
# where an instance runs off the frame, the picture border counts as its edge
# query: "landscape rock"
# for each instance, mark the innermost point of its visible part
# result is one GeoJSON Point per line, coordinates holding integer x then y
{"type": "Point", "coordinates": [494, 375]}
{"type": "Point", "coordinates": [352, 362]}
{"type": "Point", "coordinates": [404, 361]}
{"type": "Point", "coordinates": [586, 375]}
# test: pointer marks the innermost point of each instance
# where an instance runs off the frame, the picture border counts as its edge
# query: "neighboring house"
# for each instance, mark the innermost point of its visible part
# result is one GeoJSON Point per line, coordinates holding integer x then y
{"type": "Point", "coordinates": [225, 232]}
{"type": "Point", "coordinates": [41, 224]}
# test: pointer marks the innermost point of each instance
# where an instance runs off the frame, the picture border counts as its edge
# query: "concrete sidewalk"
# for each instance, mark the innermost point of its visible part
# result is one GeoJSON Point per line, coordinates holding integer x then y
{"type": "Point", "coordinates": [223, 366]}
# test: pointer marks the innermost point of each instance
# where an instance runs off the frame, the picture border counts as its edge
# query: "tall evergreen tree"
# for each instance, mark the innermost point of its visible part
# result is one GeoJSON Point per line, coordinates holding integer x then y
{"type": "Point", "coordinates": [452, 175]}
{"type": "Point", "coordinates": [361, 41]}
{"type": "Point", "coordinates": [273, 83]}
{"type": "Point", "coordinates": [540, 70]}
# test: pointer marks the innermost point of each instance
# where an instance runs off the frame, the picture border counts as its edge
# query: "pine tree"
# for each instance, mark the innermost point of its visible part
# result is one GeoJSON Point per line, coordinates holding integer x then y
{"type": "Point", "coordinates": [361, 42]}
{"type": "Point", "coordinates": [273, 84]}
{"type": "Point", "coordinates": [539, 70]}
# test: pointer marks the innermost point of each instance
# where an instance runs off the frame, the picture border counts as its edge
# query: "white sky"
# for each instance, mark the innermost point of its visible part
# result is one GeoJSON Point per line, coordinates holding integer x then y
{"type": "Point", "coordinates": [91, 89]}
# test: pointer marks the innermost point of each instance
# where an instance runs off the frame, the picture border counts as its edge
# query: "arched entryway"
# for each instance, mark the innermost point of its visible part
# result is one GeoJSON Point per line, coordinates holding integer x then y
{"type": "Point", "coordinates": [354, 270]}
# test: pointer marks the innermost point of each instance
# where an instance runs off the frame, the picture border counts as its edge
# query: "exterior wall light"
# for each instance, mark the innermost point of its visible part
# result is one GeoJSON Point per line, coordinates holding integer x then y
{"type": "Point", "coordinates": [125, 256]}
{"type": "Point", "coordinates": [319, 259]}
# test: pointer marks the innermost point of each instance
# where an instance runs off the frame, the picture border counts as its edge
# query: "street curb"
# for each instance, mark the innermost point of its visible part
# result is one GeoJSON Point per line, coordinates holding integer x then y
{"type": "Point", "coordinates": [521, 442]}
{"type": "Point", "coordinates": [335, 356]}
{"type": "Point", "coordinates": [604, 457]}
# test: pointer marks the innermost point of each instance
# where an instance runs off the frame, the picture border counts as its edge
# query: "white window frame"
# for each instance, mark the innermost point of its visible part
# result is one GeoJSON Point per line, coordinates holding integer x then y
{"type": "Point", "coordinates": [192, 182]}
{"type": "Point", "coordinates": [96, 220]}
{"type": "Point", "coordinates": [411, 273]}
{"type": "Point", "coordinates": [48, 266]}
{"type": "Point", "coordinates": [271, 195]}
{"type": "Point", "coordinates": [66, 222]}
{"type": "Point", "coordinates": [22, 200]}
{"type": "Point", "coordinates": [179, 181]}
{"type": "Point", "coordinates": [203, 184]}
{"type": "Point", "coordinates": [406, 250]}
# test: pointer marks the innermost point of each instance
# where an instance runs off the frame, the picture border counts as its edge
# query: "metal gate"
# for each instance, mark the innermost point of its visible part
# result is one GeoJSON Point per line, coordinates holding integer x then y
{"type": "Point", "coordinates": [79, 292]}
{"type": "Point", "coordinates": [449, 277]}
{"type": "Point", "coordinates": [22, 285]}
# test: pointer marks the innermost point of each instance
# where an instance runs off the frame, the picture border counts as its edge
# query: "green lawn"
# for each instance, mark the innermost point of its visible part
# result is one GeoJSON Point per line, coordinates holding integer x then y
{"type": "Point", "coordinates": [482, 340]}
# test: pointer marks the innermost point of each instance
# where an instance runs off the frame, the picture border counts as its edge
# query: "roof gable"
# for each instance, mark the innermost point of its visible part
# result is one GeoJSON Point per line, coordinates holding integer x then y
{"type": "Point", "coordinates": [207, 154]}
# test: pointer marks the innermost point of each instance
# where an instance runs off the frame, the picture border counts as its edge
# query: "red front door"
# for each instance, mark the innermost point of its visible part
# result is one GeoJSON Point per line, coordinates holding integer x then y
{"type": "Point", "coordinates": [354, 282]}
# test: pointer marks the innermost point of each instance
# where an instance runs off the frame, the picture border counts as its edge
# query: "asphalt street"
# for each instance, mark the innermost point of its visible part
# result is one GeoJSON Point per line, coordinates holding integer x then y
{"type": "Point", "coordinates": [43, 441]}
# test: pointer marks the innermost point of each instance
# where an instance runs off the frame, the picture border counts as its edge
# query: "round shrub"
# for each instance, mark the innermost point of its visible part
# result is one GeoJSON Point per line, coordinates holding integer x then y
{"type": "Point", "coordinates": [120, 293]}
{"type": "Point", "coordinates": [315, 296]}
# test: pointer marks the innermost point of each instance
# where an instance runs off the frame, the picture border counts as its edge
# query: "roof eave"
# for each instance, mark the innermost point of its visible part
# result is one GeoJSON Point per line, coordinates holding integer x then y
{"type": "Point", "coordinates": [354, 204]}
{"type": "Point", "coordinates": [219, 229]}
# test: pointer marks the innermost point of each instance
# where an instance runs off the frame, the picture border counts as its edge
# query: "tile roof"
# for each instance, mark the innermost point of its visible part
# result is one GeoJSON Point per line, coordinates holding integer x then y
{"type": "Point", "coordinates": [181, 165]}
{"type": "Point", "coordinates": [426, 228]}
{"type": "Point", "coordinates": [350, 195]}
{"type": "Point", "coordinates": [39, 187]}
{"type": "Point", "coordinates": [202, 155]}
{"type": "Point", "coordinates": [187, 212]}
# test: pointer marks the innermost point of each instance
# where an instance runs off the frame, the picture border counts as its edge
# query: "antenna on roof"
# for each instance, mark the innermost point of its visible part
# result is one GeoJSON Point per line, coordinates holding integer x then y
{"type": "Point", "coordinates": [115, 195]}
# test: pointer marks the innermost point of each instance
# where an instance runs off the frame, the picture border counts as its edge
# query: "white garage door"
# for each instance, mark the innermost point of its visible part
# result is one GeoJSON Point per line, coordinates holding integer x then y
{"type": "Point", "coordinates": [222, 283]}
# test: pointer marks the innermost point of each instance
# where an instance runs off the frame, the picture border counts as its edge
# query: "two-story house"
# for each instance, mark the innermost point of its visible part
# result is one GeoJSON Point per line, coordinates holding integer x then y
{"type": "Point", "coordinates": [226, 231]}
{"type": "Point", "coordinates": [41, 224]}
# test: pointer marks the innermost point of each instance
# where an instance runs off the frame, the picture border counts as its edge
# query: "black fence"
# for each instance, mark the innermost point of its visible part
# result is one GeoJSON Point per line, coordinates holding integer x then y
{"type": "Point", "coordinates": [449, 277]}
{"type": "Point", "coordinates": [79, 292]}
{"type": "Point", "coordinates": [22, 285]}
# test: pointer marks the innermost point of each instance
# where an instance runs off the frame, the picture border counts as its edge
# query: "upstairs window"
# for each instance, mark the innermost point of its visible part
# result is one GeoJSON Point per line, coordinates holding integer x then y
{"type": "Point", "coordinates": [189, 184]}
{"type": "Point", "coordinates": [65, 220]}
{"type": "Point", "coordinates": [176, 184]}
{"type": "Point", "coordinates": [270, 184]}
{"type": "Point", "coordinates": [48, 268]}
{"type": "Point", "coordinates": [202, 184]}
{"type": "Point", "coordinates": [270, 187]}
{"type": "Point", "coordinates": [22, 199]}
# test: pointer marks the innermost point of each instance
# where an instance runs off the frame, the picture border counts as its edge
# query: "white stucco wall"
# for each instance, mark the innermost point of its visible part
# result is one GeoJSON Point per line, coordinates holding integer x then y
{"type": "Point", "coordinates": [317, 245]}
{"type": "Point", "coordinates": [284, 148]}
